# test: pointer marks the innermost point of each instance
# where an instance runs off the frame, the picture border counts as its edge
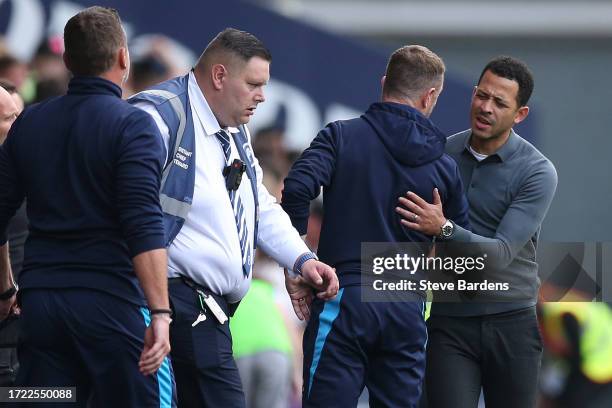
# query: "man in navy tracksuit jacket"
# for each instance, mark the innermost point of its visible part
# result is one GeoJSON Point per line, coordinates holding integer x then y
{"type": "Point", "coordinates": [90, 165]}
{"type": "Point", "coordinates": [363, 165]}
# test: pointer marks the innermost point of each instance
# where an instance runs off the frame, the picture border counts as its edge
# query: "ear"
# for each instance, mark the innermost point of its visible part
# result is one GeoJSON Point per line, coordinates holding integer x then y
{"type": "Point", "coordinates": [521, 114]}
{"type": "Point", "coordinates": [218, 74]}
{"type": "Point", "coordinates": [124, 58]}
{"type": "Point", "coordinates": [66, 61]}
{"type": "Point", "coordinates": [427, 98]}
{"type": "Point", "coordinates": [382, 81]}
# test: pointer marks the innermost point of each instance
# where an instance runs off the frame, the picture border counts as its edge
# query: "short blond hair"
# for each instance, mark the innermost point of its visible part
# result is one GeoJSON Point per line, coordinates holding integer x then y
{"type": "Point", "coordinates": [411, 70]}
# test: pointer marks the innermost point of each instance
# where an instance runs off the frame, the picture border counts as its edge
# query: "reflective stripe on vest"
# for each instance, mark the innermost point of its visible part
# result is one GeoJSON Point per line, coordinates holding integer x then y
{"type": "Point", "coordinates": [171, 205]}
{"type": "Point", "coordinates": [179, 109]}
{"type": "Point", "coordinates": [174, 207]}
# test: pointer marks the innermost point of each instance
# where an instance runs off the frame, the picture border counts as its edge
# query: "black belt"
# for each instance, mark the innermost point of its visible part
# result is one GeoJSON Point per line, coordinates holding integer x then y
{"type": "Point", "coordinates": [229, 308]}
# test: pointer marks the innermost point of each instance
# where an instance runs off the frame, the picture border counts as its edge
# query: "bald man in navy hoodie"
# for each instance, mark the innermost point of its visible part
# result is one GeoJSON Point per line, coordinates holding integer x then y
{"type": "Point", "coordinates": [363, 165]}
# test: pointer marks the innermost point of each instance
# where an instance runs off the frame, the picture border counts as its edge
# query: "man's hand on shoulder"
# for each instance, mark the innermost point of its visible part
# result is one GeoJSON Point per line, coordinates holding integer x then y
{"type": "Point", "coordinates": [419, 215]}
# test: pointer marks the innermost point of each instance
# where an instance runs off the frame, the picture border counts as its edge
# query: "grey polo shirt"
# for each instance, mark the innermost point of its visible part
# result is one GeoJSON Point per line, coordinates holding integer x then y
{"type": "Point", "coordinates": [509, 194]}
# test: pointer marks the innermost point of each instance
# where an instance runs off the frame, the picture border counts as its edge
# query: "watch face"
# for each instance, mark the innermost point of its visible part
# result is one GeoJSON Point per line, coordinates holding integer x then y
{"type": "Point", "coordinates": [447, 230]}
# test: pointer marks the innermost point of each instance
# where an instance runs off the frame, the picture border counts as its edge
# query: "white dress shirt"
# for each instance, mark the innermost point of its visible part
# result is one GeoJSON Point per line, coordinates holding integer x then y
{"type": "Point", "coordinates": [207, 248]}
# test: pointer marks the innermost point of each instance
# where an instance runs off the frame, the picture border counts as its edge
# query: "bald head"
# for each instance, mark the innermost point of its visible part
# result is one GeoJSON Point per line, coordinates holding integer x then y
{"type": "Point", "coordinates": [8, 113]}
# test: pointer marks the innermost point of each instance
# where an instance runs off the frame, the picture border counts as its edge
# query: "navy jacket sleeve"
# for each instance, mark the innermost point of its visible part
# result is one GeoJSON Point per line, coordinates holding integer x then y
{"type": "Point", "coordinates": [313, 170]}
{"type": "Point", "coordinates": [455, 207]}
{"type": "Point", "coordinates": [11, 193]}
{"type": "Point", "coordinates": [138, 177]}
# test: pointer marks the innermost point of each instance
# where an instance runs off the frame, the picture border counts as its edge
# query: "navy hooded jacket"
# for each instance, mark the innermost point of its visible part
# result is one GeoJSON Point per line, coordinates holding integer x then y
{"type": "Point", "coordinates": [364, 165]}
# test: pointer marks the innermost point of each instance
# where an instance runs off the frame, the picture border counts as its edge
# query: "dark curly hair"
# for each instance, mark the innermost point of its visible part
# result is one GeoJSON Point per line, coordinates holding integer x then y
{"type": "Point", "coordinates": [515, 70]}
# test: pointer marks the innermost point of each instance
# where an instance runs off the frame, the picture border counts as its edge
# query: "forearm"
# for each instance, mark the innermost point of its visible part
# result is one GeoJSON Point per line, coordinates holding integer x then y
{"type": "Point", "coordinates": [6, 275]}
{"type": "Point", "coordinates": [279, 239]}
{"type": "Point", "coordinates": [151, 268]}
{"type": "Point", "coordinates": [499, 252]}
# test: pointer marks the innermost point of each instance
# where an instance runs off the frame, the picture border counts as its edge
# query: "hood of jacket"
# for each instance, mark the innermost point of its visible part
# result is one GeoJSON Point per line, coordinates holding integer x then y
{"type": "Point", "coordinates": [410, 137]}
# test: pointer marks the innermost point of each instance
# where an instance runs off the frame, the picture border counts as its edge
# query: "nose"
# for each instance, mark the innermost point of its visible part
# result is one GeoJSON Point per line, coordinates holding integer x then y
{"type": "Point", "coordinates": [260, 97]}
{"type": "Point", "coordinates": [486, 106]}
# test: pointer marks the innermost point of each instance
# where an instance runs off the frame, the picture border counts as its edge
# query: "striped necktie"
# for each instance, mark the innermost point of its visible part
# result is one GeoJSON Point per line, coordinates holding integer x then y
{"type": "Point", "coordinates": [239, 213]}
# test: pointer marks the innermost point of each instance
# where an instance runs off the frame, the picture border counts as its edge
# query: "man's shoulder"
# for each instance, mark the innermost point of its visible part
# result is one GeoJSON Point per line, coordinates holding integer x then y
{"type": "Point", "coordinates": [115, 109]}
{"type": "Point", "coordinates": [448, 161]}
{"type": "Point", "coordinates": [346, 122]}
{"type": "Point", "coordinates": [456, 143]}
{"type": "Point", "coordinates": [348, 126]}
{"type": "Point", "coordinates": [41, 108]}
{"type": "Point", "coordinates": [459, 138]}
{"type": "Point", "coordinates": [128, 120]}
{"type": "Point", "coordinates": [109, 106]}
{"type": "Point", "coordinates": [136, 114]}
{"type": "Point", "coordinates": [532, 156]}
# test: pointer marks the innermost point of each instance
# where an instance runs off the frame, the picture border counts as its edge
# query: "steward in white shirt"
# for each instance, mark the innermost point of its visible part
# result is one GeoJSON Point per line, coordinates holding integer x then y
{"type": "Point", "coordinates": [217, 211]}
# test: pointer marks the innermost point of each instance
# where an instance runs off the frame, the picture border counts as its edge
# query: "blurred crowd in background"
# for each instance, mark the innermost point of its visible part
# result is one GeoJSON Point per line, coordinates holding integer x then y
{"type": "Point", "coordinates": [577, 368]}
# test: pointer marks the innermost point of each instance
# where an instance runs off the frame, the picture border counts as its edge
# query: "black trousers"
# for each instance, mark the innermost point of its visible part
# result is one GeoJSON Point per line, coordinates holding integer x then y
{"type": "Point", "coordinates": [205, 371]}
{"type": "Point", "coordinates": [500, 353]}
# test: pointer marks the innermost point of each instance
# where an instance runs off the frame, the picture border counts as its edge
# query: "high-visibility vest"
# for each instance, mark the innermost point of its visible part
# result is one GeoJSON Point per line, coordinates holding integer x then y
{"type": "Point", "coordinates": [595, 323]}
{"type": "Point", "coordinates": [171, 99]}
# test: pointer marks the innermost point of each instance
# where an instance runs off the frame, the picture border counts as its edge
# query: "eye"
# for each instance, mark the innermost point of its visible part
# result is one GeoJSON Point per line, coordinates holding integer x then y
{"type": "Point", "coordinates": [501, 104]}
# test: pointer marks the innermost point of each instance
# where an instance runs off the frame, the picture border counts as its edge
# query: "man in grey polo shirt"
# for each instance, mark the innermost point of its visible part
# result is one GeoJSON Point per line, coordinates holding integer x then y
{"type": "Point", "coordinates": [486, 342]}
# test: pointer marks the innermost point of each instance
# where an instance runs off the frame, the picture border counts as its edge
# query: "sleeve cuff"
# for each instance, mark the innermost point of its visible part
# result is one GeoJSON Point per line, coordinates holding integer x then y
{"type": "Point", "coordinates": [298, 215]}
{"type": "Point", "coordinates": [300, 224]}
{"type": "Point", "coordinates": [287, 253]}
{"type": "Point", "coordinates": [301, 260]}
{"type": "Point", "coordinates": [144, 244]}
